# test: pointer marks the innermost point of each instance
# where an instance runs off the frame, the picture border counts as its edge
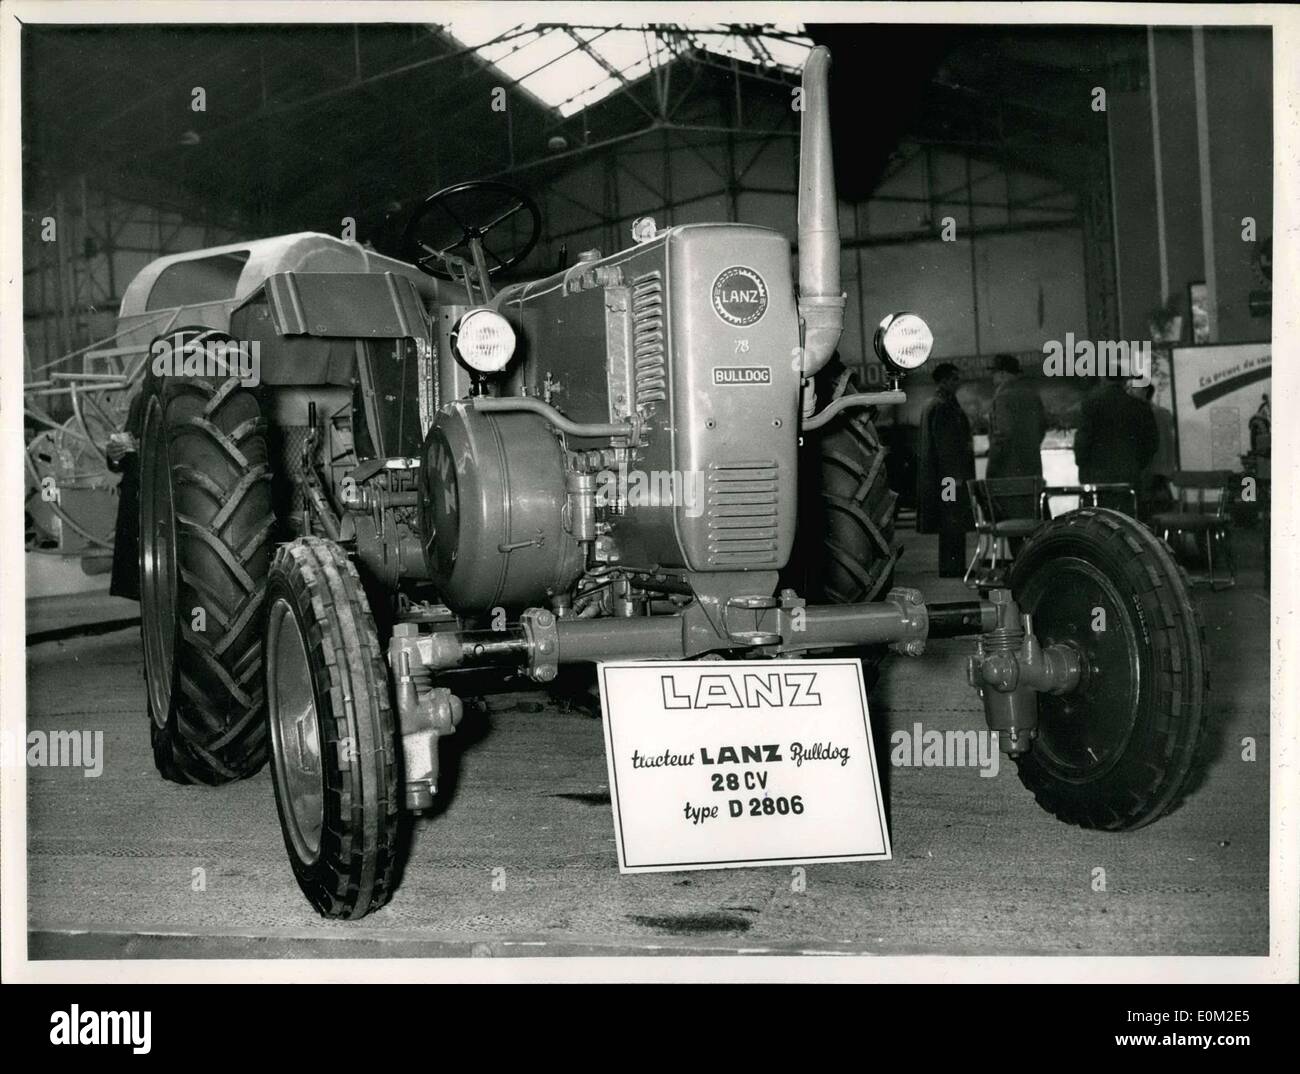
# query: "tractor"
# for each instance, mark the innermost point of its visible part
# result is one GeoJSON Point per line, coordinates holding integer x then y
{"type": "Point", "coordinates": [363, 479]}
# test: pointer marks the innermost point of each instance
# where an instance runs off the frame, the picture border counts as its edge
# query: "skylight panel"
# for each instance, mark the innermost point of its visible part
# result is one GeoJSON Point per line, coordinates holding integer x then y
{"type": "Point", "coordinates": [568, 70]}
{"type": "Point", "coordinates": [567, 76]}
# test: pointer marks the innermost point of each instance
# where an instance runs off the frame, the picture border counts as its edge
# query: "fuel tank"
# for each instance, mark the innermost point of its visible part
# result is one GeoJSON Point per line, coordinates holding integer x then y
{"type": "Point", "coordinates": [695, 331]}
{"type": "Point", "coordinates": [492, 499]}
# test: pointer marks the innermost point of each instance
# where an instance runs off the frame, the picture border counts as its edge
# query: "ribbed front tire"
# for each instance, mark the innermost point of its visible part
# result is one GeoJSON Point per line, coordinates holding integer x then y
{"type": "Point", "coordinates": [333, 733]}
{"type": "Point", "coordinates": [1130, 743]}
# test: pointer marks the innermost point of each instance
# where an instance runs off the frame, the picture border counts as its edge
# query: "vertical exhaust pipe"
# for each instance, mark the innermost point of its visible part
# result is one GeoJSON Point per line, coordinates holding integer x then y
{"type": "Point", "coordinates": [821, 302]}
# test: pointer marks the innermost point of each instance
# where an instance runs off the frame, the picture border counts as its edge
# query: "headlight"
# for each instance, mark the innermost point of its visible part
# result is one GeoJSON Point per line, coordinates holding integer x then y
{"type": "Point", "coordinates": [903, 342]}
{"type": "Point", "coordinates": [484, 341]}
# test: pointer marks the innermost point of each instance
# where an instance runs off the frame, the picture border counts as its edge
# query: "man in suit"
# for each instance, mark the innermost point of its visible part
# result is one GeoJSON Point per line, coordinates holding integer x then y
{"type": "Point", "coordinates": [945, 462]}
{"type": "Point", "coordinates": [1117, 437]}
{"type": "Point", "coordinates": [1016, 423]}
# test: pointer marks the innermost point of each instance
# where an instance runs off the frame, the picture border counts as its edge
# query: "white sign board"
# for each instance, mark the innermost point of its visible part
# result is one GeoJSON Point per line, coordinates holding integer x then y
{"type": "Point", "coordinates": [727, 764]}
{"type": "Point", "coordinates": [1217, 390]}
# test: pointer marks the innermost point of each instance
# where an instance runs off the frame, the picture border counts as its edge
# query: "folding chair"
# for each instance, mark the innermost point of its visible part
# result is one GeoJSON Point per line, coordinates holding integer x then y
{"type": "Point", "coordinates": [1201, 509]}
{"type": "Point", "coordinates": [1006, 509]}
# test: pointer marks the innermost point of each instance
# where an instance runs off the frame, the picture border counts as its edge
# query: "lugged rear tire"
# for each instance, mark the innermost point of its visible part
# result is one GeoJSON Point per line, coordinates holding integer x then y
{"type": "Point", "coordinates": [1126, 747]}
{"type": "Point", "coordinates": [844, 550]}
{"type": "Point", "coordinates": [333, 733]}
{"type": "Point", "coordinates": [205, 546]}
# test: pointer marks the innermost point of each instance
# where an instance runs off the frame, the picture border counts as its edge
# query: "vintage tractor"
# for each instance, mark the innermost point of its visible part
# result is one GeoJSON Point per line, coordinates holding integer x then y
{"type": "Point", "coordinates": [363, 480]}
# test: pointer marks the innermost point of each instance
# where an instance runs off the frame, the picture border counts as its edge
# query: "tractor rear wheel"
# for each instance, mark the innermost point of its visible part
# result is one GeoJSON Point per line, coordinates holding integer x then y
{"type": "Point", "coordinates": [844, 550]}
{"type": "Point", "coordinates": [333, 734]}
{"type": "Point", "coordinates": [205, 546]}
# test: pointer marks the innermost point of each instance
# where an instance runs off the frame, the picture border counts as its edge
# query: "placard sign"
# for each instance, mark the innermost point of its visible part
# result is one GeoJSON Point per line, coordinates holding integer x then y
{"type": "Point", "coordinates": [1217, 389]}
{"type": "Point", "coordinates": [726, 764]}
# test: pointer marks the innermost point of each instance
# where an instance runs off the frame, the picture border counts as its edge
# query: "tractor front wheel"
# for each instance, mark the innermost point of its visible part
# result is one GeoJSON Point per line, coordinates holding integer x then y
{"type": "Point", "coordinates": [333, 737]}
{"type": "Point", "coordinates": [1128, 744]}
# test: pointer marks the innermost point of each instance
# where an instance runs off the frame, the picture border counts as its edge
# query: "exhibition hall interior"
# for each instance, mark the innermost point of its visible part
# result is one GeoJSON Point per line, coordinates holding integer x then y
{"type": "Point", "coordinates": [431, 431]}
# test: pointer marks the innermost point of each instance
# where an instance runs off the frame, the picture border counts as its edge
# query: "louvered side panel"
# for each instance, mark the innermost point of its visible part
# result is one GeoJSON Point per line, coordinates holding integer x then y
{"type": "Point", "coordinates": [649, 340]}
{"type": "Point", "coordinates": [744, 501]}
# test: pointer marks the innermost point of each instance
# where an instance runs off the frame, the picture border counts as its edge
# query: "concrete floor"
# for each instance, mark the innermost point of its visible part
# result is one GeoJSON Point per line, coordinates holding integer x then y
{"type": "Point", "coordinates": [978, 868]}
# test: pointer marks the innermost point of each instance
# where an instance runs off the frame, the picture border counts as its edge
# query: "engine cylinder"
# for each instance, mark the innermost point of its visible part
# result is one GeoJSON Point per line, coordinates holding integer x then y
{"type": "Point", "coordinates": [492, 507]}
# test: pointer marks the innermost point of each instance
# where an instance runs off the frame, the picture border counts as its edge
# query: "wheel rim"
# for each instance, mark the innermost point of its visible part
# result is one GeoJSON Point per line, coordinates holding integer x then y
{"type": "Point", "coordinates": [159, 622]}
{"type": "Point", "coordinates": [1082, 734]}
{"type": "Point", "coordinates": [295, 732]}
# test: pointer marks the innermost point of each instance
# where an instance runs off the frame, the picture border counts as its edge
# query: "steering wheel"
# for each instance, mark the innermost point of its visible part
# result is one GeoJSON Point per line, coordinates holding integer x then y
{"type": "Point", "coordinates": [442, 232]}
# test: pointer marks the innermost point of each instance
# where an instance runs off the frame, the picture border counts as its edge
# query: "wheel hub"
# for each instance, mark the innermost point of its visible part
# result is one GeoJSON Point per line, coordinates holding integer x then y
{"type": "Point", "coordinates": [1083, 733]}
{"type": "Point", "coordinates": [295, 731]}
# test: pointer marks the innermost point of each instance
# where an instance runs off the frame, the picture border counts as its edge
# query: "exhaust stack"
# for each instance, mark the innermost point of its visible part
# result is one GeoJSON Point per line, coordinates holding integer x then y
{"type": "Point", "coordinates": [821, 302]}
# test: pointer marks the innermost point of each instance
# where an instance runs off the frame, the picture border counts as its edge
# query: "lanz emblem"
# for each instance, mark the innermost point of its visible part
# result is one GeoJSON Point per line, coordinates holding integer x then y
{"type": "Point", "coordinates": [739, 296]}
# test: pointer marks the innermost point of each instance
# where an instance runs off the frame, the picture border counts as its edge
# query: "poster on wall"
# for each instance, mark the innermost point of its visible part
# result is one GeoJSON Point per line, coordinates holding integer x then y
{"type": "Point", "coordinates": [1216, 389]}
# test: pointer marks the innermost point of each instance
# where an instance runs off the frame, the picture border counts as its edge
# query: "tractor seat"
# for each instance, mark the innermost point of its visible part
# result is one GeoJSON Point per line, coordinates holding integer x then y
{"type": "Point", "coordinates": [1184, 520]}
{"type": "Point", "coordinates": [1017, 527]}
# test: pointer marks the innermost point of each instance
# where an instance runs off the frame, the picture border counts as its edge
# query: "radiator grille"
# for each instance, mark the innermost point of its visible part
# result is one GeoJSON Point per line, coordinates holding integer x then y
{"type": "Point", "coordinates": [743, 505]}
{"type": "Point", "coordinates": [649, 339]}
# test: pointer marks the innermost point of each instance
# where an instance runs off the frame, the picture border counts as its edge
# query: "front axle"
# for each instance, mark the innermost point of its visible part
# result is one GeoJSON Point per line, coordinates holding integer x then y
{"type": "Point", "coordinates": [1009, 669]}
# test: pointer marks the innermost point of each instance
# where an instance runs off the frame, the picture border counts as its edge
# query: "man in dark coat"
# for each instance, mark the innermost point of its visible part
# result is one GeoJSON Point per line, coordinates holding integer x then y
{"type": "Point", "coordinates": [1016, 423]}
{"type": "Point", "coordinates": [1117, 437]}
{"type": "Point", "coordinates": [945, 462]}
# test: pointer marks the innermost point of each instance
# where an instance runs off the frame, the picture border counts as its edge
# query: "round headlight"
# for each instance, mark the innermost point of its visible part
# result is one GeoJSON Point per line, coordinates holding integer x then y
{"type": "Point", "coordinates": [484, 341]}
{"type": "Point", "coordinates": [903, 342]}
